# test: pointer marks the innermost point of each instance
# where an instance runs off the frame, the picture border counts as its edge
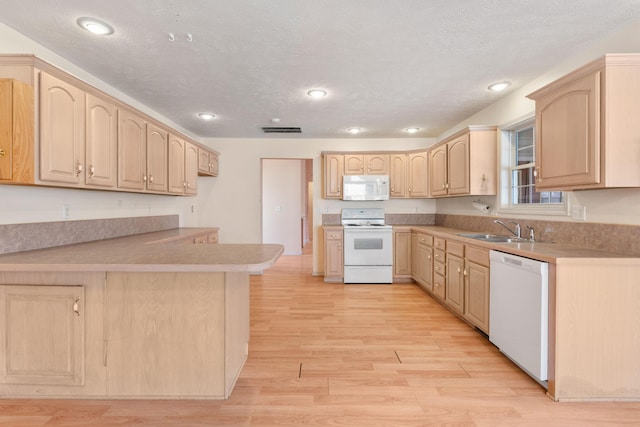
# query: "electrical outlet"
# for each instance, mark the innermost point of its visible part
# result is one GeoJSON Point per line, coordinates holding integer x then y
{"type": "Point", "coordinates": [579, 213]}
{"type": "Point", "coordinates": [65, 212]}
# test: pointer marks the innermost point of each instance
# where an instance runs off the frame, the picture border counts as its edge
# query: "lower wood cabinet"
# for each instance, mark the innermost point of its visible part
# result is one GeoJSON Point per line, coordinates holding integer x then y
{"type": "Point", "coordinates": [476, 287]}
{"type": "Point", "coordinates": [422, 257]}
{"type": "Point", "coordinates": [455, 276]}
{"type": "Point", "coordinates": [401, 255]}
{"type": "Point", "coordinates": [333, 254]}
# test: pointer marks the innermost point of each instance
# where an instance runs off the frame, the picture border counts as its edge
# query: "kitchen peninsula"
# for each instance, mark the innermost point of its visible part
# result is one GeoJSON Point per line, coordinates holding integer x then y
{"type": "Point", "coordinates": [149, 315]}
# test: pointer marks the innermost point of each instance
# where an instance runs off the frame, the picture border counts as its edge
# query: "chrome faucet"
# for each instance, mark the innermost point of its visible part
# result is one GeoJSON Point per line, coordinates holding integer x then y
{"type": "Point", "coordinates": [515, 233]}
{"type": "Point", "coordinates": [532, 233]}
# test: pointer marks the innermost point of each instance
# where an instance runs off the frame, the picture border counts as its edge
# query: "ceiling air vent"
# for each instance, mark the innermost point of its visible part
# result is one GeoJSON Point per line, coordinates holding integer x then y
{"type": "Point", "coordinates": [274, 129]}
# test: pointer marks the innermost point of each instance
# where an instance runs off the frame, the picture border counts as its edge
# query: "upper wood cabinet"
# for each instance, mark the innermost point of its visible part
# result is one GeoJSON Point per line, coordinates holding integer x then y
{"type": "Point", "coordinates": [16, 132]}
{"type": "Point", "coordinates": [101, 149]}
{"type": "Point", "coordinates": [398, 175]}
{"type": "Point", "coordinates": [333, 172]}
{"type": "Point", "coordinates": [207, 162]}
{"type": "Point", "coordinates": [464, 164]}
{"type": "Point", "coordinates": [176, 164]}
{"type": "Point", "coordinates": [157, 159]}
{"type": "Point", "coordinates": [132, 151]}
{"type": "Point", "coordinates": [191, 168]}
{"type": "Point", "coordinates": [417, 174]}
{"type": "Point", "coordinates": [62, 131]}
{"type": "Point", "coordinates": [366, 164]}
{"type": "Point", "coordinates": [587, 126]}
{"type": "Point", "coordinates": [83, 138]}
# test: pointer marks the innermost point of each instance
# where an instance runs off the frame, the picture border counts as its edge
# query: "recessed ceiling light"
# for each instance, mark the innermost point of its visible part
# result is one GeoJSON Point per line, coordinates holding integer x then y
{"type": "Point", "coordinates": [412, 130]}
{"type": "Point", "coordinates": [95, 26]}
{"type": "Point", "coordinates": [500, 86]}
{"type": "Point", "coordinates": [354, 130]}
{"type": "Point", "coordinates": [206, 116]}
{"type": "Point", "coordinates": [317, 93]}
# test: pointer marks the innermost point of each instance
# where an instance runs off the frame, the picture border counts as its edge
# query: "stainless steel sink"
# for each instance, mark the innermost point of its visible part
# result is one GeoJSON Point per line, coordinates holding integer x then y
{"type": "Point", "coordinates": [496, 238]}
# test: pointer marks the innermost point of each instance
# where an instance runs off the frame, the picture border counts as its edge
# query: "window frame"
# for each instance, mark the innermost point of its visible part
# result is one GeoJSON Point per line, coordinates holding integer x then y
{"type": "Point", "coordinates": [506, 157]}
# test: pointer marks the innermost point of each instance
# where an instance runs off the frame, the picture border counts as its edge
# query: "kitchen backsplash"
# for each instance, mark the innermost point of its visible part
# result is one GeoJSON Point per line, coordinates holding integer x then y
{"type": "Point", "coordinates": [624, 239]}
{"type": "Point", "coordinates": [24, 237]}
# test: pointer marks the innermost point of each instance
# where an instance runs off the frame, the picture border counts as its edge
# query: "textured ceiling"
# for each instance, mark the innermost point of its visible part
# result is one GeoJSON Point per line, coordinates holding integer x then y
{"type": "Point", "coordinates": [387, 64]}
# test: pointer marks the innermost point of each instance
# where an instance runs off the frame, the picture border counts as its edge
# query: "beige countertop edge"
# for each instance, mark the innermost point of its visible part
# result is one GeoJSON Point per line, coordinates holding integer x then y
{"type": "Point", "coordinates": [549, 252]}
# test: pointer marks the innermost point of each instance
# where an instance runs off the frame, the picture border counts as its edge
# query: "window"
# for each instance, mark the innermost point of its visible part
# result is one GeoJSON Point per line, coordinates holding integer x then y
{"type": "Point", "coordinates": [518, 183]}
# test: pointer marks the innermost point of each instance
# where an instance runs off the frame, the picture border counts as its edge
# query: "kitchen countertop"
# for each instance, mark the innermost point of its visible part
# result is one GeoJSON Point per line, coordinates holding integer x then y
{"type": "Point", "coordinates": [548, 252]}
{"type": "Point", "coordinates": [161, 251]}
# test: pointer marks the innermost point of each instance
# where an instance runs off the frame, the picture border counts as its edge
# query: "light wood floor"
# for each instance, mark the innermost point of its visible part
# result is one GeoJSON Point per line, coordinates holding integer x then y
{"type": "Point", "coordinates": [356, 355]}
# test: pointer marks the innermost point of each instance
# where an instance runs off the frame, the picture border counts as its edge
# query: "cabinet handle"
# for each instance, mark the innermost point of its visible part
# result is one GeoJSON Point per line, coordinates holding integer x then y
{"type": "Point", "coordinates": [429, 256]}
{"type": "Point", "coordinates": [144, 178]}
{"type": "Point", "coordinates": [76, 306]}
{"type": "Point", "coordinates": [188, 185]}
{"type": "Point", "coordinates": [151, 179]}
{"type": "Point", "coordinates": [78, 167]}
{"type": "Point", "coordinates": [92, 171]}
{"type": "Point", "coordinates": [2, 152]}
{"type": "Point", "coordinates": [464, 272]}
{"type": "Point", "coordinates": [459, 269]}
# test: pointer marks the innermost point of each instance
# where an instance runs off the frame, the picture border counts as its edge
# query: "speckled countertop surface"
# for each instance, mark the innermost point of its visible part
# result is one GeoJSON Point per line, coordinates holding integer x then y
{"type": "Point", "coordinates": [161, 251]}
{"type": "Point", "coordinates": [549, 252]}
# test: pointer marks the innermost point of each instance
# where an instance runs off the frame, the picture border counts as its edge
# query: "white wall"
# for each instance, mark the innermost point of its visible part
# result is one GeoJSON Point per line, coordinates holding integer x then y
{"type": "Point", "coordinates": [282, 184]}
{"type": "Point", "coordinates": [616, 206]}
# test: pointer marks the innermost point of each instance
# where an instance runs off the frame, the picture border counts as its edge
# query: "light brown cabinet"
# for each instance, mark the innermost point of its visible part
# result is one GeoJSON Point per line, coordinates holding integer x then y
{"type": "Point", "coordinates": [16, 138]}
{"type": "Point", "coordinates": [207, 162]}
{"type": "Point", "coordinates": [176, 164]}
{"type": "Point", "coordinates": [455, 276]}
{"type": "Point", "coordinates": [333, 172]}
{"type": "Point", "coordinates": [333, 254]}
{"type": "Point", "coordinates": [401, 255]}
{"type": "Point", "coordinates": [465, 163]}
{"type": "Point", "coordinates": [101, 142]}
{"type": "Point", "coordinates": [62, 131]}
{"type": "Point", "coordinates": [157, 159]}
{"type": "Point", "coordinates": [85, 138]}
{"type": "Point", "coordinates": [191, 168]}
{"type": "Point", "coordinates": [439, 268]}
{"type": "Point", "coordinates": [398, 175]}
{"type": "Point", "coordinates": [587, 127]}
{"type": "Point", "coordinates": [476, 287]}
{"type": "Point", "coordinates": [132, 151]}
{"type": "Point", "coordinates": [417, 174]}
{"type": "Point", "coordinates": [422, 257]}
{"type": "Point", "coordinates": [366, 164]}
{"type": "Point", "coordinates": [42, 335]}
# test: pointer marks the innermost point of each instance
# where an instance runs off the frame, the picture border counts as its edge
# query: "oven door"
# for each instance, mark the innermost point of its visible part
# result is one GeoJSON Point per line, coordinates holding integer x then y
{"type": "Point", "coordinates": [368, 246]}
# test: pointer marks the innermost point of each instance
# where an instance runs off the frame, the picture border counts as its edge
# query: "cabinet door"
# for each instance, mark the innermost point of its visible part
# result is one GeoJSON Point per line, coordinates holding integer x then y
{"type": "Point", "coordinates": [191, 168]}
{"type": "Point", "coordinates": [176, 164]}
{"type": "Point", "coordinates": [203, 161]}
{"type": "Point", "coordinates": [333, 258]}
{"type": "Point", "coordinates": [101, 142]}
{"type": "Point", "coordinates": [354, 164]}
{"type": "Point", "coordinates": [425, 269]}
{"type": "Point", "coordinates": [418, 174]}
{"type": "Point", "coordinates": [402, 253]}
{"type": "Point", "coordinates": [458, 166]}
{"type": "Point", "coordinates": [132, 151]}
{"type": "Point", "coordinates": [568, 135]}
{"type": "Point", "coordinates": [333, 172]}
{"type": "Point", "coordinates": [455, 283]}
{"type": "Point", "coordinates": [377, 164]}
{"type": "Point", "coordinates": [438, 171]}
{"type": "Point", "coordinates": [476, 307]}
{"type": "Point", "coordinates": [398, 175]}
{"type": "Point", "coordinates": [42, 335]}
{"type": "Point", "coordinates": [157, 163]}
{"type": "Point", "coordinates": [62, 134]}
{"type": "Point", "coordinates": [16, 137]}
{"type": "Point", "coordinates": [213, 164]}
{"type": "Point", "coordinates": [414, 255]}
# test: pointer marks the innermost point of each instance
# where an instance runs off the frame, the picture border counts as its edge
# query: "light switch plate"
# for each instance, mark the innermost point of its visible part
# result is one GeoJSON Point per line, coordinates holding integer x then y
{"type": "Point", "coordinates": [579, 213]}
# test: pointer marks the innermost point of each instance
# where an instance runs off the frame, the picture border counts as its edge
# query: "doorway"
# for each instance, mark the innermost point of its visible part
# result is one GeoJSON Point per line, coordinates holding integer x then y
{"type": "Point", "coordinates": [287, 204]}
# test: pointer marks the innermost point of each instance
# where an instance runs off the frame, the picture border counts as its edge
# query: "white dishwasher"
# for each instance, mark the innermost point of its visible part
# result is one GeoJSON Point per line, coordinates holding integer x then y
{"type": "Point", "coordinates": [518, 311]}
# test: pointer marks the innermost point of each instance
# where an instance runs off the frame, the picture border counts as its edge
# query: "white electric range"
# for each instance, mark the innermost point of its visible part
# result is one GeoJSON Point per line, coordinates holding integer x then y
{"type": "Point", "coordinates": [368, 246]}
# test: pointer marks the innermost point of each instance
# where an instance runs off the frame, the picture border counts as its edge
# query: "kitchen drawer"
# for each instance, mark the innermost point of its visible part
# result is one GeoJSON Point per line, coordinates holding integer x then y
{"type": "Point", "coordinates": [438, 256]}
{"type": "Point", "coordinates": [333, 233]}
{"type": "Point", "coordinates": [439, 268]}
{"type": "Point", "coordinates": [425, 239]}
{"type": "Point", "coordinates": [455, 248]}
{"type": "Point", "coordinates": [438, 286]}
{"type": "Point", "coordinates": [477, 255]}
{"type": "Point", "coordinates": [439, 243]}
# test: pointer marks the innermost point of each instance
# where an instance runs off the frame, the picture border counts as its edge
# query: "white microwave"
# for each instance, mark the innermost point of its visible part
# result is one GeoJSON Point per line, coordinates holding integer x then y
{"type": "Point", "coordinates": [365, 187]}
